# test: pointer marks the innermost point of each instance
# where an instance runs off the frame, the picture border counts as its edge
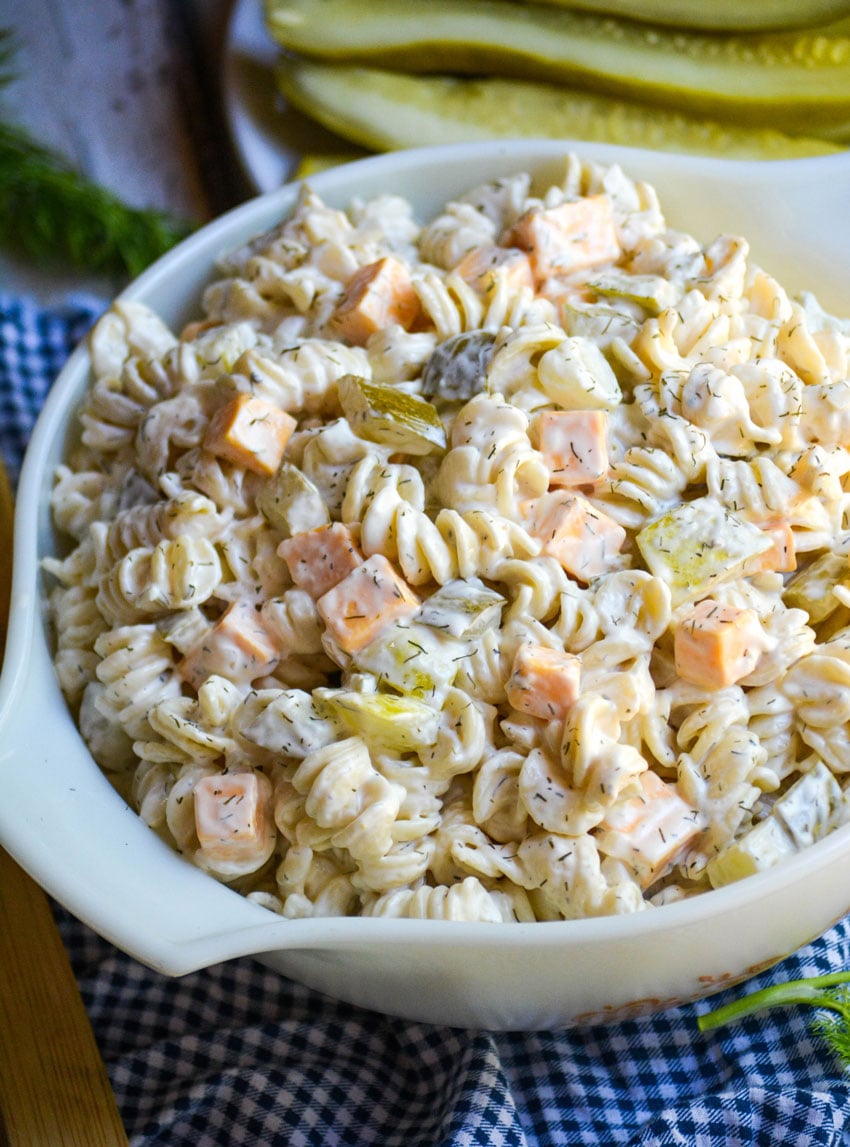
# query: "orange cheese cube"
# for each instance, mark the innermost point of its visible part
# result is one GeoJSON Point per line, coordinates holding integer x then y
{"type": "Point", "coordinates": [233, 817]}
{"type": "Point", "coordinates": [238, 646]}
{"type": "Point", "coordinates": [543, 682]}
{"type": "Point", "coordinates": [484, 267]}
{"type": "Point", "coordinates": [320, 558]}
{"type": "Point", "coordinates": [716, 645]}
{"type": "Point", "coordinates": [574, 444]}
{"type": "Point", "coordinates": [782, 555]}
{"type": "Point", "coordinates": [251, 433]}
{"type": "Point", "coordinates": [582, 538]}
{"type": "Point", "coordinates": [572, 237]}
{"type": "Point", "coordinates": [365, 602]}
{"type": "Point", "coordinates": [377, 296]}
{"type": "Point", "coordinates": [649, 832]}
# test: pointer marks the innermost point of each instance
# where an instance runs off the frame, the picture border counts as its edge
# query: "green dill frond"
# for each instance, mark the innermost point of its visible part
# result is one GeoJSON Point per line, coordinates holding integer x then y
{"type": "Point", "coordinates": [834, 1030]}
{"type": "Point", "coordinates": [50, 213]}
{"type": "Point", "coordinates": [833, 1025]}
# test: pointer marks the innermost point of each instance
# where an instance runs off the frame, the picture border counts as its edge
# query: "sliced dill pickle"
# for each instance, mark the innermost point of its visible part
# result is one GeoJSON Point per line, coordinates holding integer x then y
{"type": "Point", "coordinates": [652, 292]}
{"type": "Point", "coordinates": [795, 82]}
{"type": "Point", "coordinates": [457, 369]}
{"type": "Point", "coordinates": [291, 503]}
{"type": "Point", "coordinates": [399, 724]}
{"type": "Point", "coordinates": [390, 416]}
{"type": "Point", "coordinates": [811, 588]}
{"type": "Point", "coordinates": [385, 110]}
{"type": "Point", "coordinates": [465, 607]}
{"type": "Point", "coordinates": [810, 809]}
{"type": "Point", "coordinates": [717, 15]}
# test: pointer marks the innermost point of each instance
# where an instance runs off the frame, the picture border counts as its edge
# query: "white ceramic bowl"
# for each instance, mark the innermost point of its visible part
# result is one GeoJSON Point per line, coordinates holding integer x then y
{"type": "Point", "coordinates": [63, 822]}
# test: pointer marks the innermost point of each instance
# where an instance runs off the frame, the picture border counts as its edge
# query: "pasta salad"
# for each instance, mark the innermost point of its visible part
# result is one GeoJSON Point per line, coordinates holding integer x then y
{"type": "Point", "coordinates": [490, 567]}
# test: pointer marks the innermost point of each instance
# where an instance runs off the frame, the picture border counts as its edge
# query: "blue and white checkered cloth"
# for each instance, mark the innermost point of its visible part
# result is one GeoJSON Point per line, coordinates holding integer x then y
{"type": "Point", "coordinates": [237, 1056]}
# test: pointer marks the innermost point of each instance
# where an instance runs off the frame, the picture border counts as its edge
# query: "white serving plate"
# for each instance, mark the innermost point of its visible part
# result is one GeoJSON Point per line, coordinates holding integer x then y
{"type": "Point", "coordinates": [62, 821]}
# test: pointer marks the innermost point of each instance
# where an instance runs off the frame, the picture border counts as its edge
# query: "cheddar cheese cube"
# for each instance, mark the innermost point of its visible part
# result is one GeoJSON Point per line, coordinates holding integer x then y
{"type": "Point", "coordinates": [649, 831]}
{"type": "Point", "coordinates": [585, 541]}
{"type": "Point", "coordinates": [379, 295]}
{"type": "Point", "coordinates": [320, 558]}
{"type": "Point", "coordinates": [782, 555]}
{"type": "Point", "coordinates": [367, 600]}
{"type": "Point", "coordinates": [716, 645]}
{"type": "Point", "coordinates": [574, 445]}
{"type": "Point", "coordinates": [571, 237]}
{"type": "Point", "coordinates": [485, 267]}
{"type": "Point", "coordinates": [233, 817]}
{"type": "Point", "coordinates": [238, 646]}
{"type": "Point", "coordinates": [251, 433]}
{"type": "Point", "coordinates": [544, 682]}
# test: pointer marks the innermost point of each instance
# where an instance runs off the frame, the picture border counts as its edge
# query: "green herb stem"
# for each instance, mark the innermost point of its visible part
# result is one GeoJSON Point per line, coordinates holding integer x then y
{"type": "Point", "coordinates": [809, 991]}
{"type": "Point", "coordinates": [831, 1023]}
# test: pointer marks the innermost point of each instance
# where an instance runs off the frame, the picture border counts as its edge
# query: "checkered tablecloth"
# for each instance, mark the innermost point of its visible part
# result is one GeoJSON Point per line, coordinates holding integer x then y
{"type": "Point", "coordinates": [236, 1055]}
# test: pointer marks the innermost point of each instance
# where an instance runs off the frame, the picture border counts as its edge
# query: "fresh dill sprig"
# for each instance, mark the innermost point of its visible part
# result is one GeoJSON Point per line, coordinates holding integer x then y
{"type": "Point", "coordinates": [51, 213]}
{"type": "Point", "coordinates": [829, 995]}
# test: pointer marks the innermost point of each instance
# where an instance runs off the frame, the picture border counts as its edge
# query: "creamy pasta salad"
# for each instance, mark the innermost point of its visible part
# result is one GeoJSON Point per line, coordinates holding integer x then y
{"type": "Point", "coordinates": [490, 567]}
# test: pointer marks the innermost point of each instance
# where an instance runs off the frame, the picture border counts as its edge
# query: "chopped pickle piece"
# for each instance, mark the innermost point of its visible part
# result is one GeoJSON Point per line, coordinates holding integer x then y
{"type": "Point", "coordinates": [391, 417]}
{"type": "Point", "coordinates": [603, 324]}
{"type": "Point", "coordinates": [398, 724]}
{"type": "Point", "coordinates": [464, 607]}
{"type": "Point", "coordinates": [698, 546]}
{"type": "Point", "coordinates": [651, 292]}
{"type": "Point", "coordinates": [457, 370]}
{"type": "Point", "coordinates": [291, 503]}
{"type": "Point", "coordinates": [414, 659]}
{"type": "Point", "coordinates": [811, 588]}
{"type": "Point", "coordinates": [812, 807]}
{"type": "Point", "coordinates": [763, 847]}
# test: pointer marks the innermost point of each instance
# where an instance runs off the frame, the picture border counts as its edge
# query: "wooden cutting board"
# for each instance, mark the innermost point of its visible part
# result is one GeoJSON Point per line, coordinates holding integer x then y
{"type": "Point", "coordinates": [54, 1090]}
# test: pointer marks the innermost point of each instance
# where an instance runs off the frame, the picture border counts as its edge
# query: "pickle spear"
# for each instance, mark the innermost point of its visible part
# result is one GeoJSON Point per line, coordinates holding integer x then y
{"type": "Point", "coordinates": [718, 15]}
{"type": "Point", "coordinates": [793, 82]}
{"type": "Point", "coordinates": [386, 110]}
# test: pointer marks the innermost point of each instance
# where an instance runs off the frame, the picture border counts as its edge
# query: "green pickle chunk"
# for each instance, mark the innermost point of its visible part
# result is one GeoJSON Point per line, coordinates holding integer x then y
{"type": "Point", "coordinates": [811, 588]}
{"type": "Point", "coordinates": [291, 503]}
{"type": "Point", "coordinates": [391, 417]}
{"type": "Point", "coordinates": [400, 724]}
{"type": "Point", "coordinates": [699, 545]}
{"type": "Point", "coordinates": [457, 370]}
{"type": "Point", "coordinates": [811, 808]}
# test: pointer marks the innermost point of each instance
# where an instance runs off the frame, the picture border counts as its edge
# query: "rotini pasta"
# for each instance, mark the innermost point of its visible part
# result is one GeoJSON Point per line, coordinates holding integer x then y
{"type": "Point", "coordinates": [492, 567]}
